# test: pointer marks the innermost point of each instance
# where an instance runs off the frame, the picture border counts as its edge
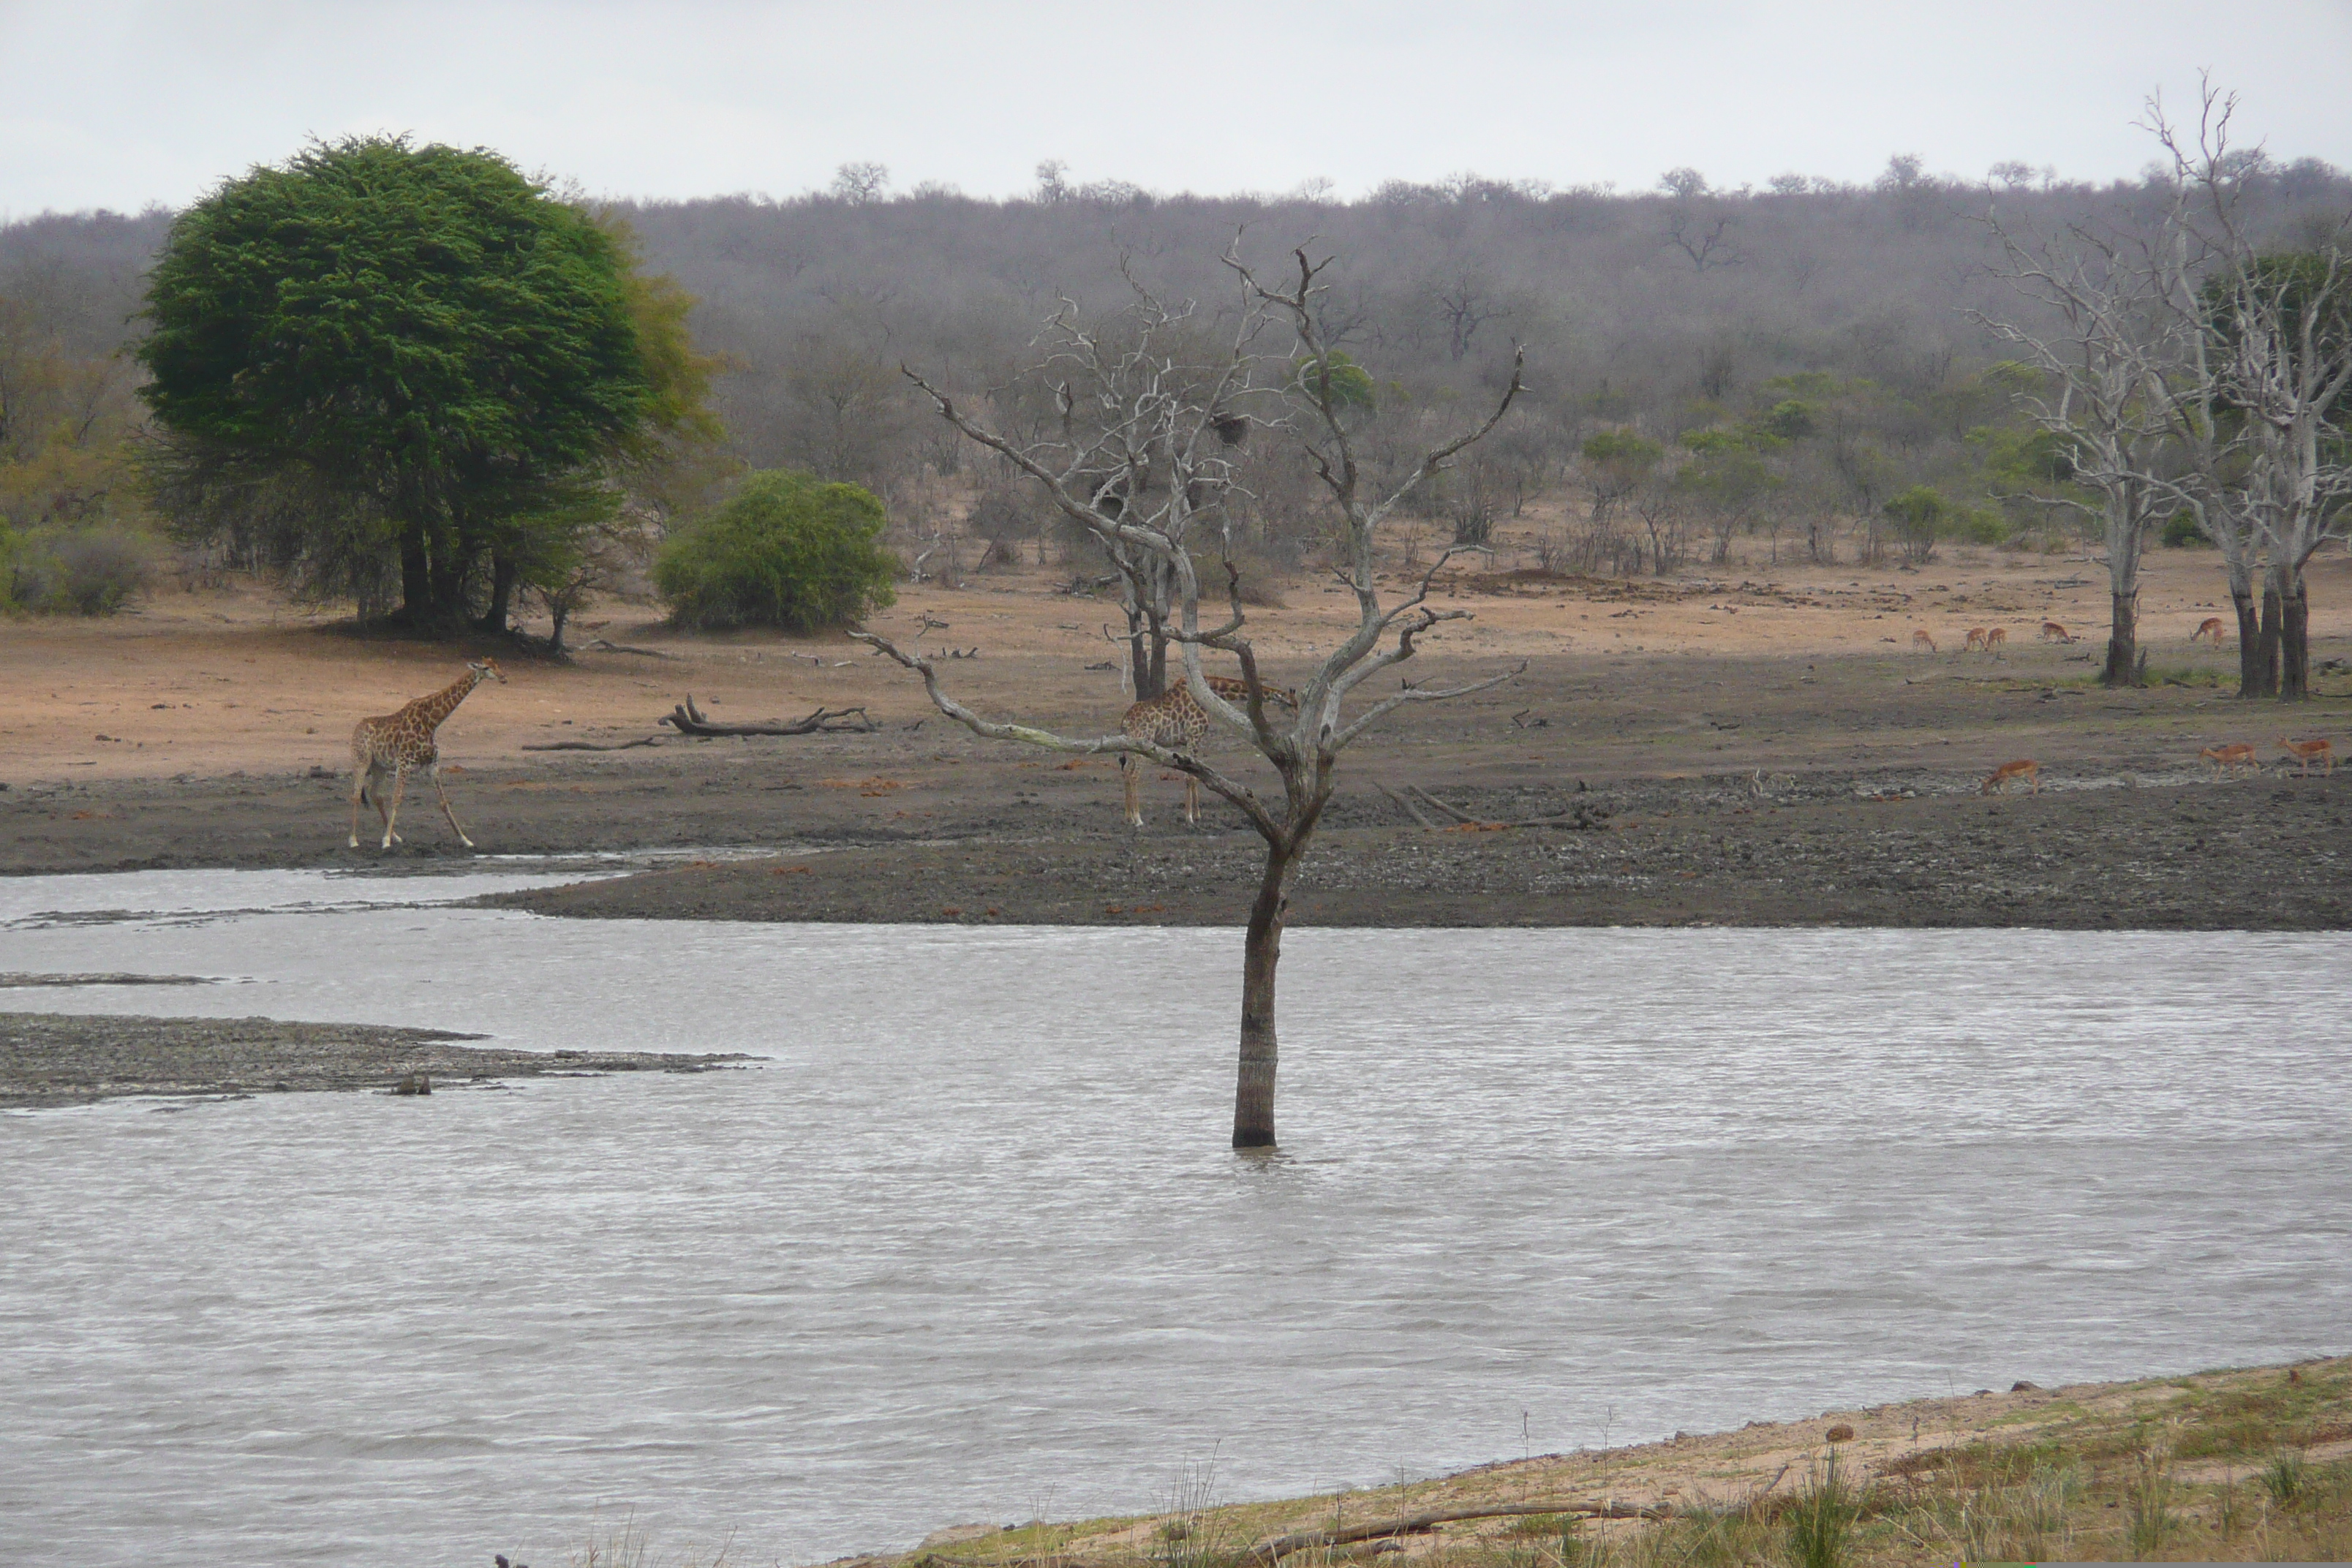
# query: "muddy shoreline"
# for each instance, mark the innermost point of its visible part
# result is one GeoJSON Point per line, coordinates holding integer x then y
{"type": "Point", "coordinates": [50, 1059]}
{"type": "Point", "coordinates": [2182, 856]}
{"type": "Point", "coordinates": [1754, 791]}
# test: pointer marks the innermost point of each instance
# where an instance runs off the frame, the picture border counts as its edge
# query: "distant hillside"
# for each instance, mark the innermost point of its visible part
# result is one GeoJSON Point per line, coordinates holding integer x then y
{"type": "Point", "coordinates": [1660, 313]}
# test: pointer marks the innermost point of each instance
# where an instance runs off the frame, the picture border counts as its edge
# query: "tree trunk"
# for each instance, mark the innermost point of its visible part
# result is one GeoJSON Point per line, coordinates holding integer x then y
{"type": "Point", "coordinates": [2250, 642]}
{"type": "Point", "coordinates": [2295, 643]}
{"type": "Point", "coordinates": [415, 577]}
{"type": "Point", "coordinates": [1261, 951]}
{"type": "Point", "coordinates": [2266, 645]}
{"type": "Point", "coordinates": [2123, 642]}
{"type": "Point", "coordinates": [559, 612]}
{"type": "Point", "coordinates": [502, 582]}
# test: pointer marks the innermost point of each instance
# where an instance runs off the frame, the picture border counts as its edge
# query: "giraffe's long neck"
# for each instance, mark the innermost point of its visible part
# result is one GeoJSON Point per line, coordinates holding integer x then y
{"type": "Point", "coordinates": [431, 710]}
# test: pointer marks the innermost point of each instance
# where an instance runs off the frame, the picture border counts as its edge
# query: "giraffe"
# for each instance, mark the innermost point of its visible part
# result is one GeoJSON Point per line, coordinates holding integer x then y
{"type": "Point", "coordinates": [1174, 721]}
{"type": "Point", "coordinates": [398, 742]}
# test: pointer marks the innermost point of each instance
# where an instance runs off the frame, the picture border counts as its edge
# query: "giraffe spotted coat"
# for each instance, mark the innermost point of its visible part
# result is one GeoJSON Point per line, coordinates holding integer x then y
{"type": "Point", "coordinates": [1174, 722]}
{"type": "Point", "coordinates": [397, 745]}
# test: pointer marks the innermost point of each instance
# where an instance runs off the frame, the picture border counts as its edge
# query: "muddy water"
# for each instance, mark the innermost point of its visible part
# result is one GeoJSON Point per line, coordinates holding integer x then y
{"type": "Point", "coordinates": [968, 1247]}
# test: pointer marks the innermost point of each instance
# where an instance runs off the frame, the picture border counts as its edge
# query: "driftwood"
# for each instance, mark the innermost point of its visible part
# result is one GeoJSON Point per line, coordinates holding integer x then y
{"type": "Point", "coordinates": [1413, 811]}
{"type": "Point", "coordinates": [601, 646]}
{"type": "Point", "coordinates": [689, 721]}
{"type": "Point", "coordinates": [1267, 1552]}
{"type": "Point", "coordinates": [592, 746]}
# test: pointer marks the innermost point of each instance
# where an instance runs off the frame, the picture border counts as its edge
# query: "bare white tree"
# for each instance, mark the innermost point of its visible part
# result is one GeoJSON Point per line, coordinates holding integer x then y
{"type": "Point", "coordinates": [2117, 346]}
{"type": "Point", "coordinates": [2257, 399]}
{"type": "Point", "coordinates": [1152, 461]}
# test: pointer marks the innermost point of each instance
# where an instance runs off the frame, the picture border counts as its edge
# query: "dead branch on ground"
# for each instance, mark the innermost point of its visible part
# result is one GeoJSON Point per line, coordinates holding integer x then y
{"type": "Point", "coordinates": [689, 721]}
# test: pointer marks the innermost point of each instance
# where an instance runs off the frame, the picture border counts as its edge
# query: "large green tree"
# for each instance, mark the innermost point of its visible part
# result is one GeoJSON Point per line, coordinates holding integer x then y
{"type": "Point", "coordinates": [391, 364]}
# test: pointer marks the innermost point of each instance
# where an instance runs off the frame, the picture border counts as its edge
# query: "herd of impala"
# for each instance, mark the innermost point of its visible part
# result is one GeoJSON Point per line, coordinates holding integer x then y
{"type": "Point", "coordinates": [2226, 759]}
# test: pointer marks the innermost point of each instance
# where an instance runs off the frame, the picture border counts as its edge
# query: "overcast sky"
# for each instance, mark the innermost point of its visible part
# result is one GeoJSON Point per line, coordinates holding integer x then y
{"type": "Point", "coordinates": [121, 105]}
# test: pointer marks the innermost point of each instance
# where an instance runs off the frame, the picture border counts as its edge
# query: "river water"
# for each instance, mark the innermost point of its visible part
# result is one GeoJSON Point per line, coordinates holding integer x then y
{"type": "Point", "coordinates": [967, 1244]}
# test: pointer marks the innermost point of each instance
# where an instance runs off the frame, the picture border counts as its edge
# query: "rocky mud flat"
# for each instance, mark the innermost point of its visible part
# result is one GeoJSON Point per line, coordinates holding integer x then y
{"type": "Point", "coordinates": [1902, 849]}
{"type": "Point", "coordinates": [1761, 789]}
{"type": "Point", "coordinates": [57, 1059]}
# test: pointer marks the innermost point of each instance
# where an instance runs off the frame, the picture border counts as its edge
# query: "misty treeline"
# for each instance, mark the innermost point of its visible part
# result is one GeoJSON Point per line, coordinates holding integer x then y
{"type": "Point", "coordinates": [1803, 364]}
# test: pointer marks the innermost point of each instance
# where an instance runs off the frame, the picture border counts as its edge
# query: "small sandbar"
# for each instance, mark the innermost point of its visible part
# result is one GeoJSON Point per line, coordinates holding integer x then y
{"type": "Point", "coordinates": [57, 1059]}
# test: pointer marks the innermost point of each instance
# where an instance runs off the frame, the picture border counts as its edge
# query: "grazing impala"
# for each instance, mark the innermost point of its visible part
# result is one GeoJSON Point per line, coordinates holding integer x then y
{"type": "Point", "coordinates": [2052, 632]}
{"type": "Point", "coordinates": [2230, 759]}
{"type": "Point", "coordinates": [1976, 639]}
{"type": "Point", "coordinates": [2210, 627]}
{"type": "Point", "coordinates": [2310, 751]}
{"type": "Point", "coordinates": [1994, 640]}
{"type": "Point", "coordinates": [1920, 639]}
{"type": "Point", "coordinates": [2029, 771]}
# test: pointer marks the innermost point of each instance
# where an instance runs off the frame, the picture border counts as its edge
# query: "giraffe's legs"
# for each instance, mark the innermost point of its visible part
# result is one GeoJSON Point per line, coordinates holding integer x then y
{"type": "Point", "coordinates": [399, 787]}
{"type": "Point", "coordinates": [359, 794]}
{"type": "Point", "coordinates": [445, 808]}
{"type": "Point", "coordinates": [1133, 777]}
{"type": "Point", "coordinates": [1191, 801]}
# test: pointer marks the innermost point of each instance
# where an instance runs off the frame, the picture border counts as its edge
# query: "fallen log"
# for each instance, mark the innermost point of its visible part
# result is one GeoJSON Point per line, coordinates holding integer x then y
{"type": "Point", "coordinates": [688, 720]}
{"type": "Point", "coordinates": [1280, 1546]}
{"type": "Point", "coordinates": [1575, 816]}
{"type": "Point", "coordinates": [592, 746]}
{"type": "Point", "coordinates": [1456, 813]}
{"type": "Point", "coordinates": [601, 646]}
{"type": "Point", "coordinates": [1415, 811]}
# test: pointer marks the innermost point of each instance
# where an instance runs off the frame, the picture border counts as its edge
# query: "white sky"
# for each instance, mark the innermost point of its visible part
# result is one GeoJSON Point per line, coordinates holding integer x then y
{"type": "Point", "coordinates": [119, 105]}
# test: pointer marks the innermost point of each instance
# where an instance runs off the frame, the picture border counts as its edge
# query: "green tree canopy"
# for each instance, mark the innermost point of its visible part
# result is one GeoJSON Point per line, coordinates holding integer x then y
{"type": "Point", "coordinates": [383, 359]}
{"type": "Point", "coordinates": [788, 550]}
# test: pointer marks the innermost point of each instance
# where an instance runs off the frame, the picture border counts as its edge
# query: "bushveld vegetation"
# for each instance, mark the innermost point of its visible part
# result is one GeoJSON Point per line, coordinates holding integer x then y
{"type": "Point", "coordinates": [1805, 364]}
{"type": "Point", "coordinates": [785, 550]}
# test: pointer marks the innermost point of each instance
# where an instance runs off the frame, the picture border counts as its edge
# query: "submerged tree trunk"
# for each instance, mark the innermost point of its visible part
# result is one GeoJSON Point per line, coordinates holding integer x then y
{"type": "Point", "coordinates": [2123, 642]}
{"type": "Point", "coordinates": [2294, 643]}
{"type": "Point", "coordinates": [1261, 951]}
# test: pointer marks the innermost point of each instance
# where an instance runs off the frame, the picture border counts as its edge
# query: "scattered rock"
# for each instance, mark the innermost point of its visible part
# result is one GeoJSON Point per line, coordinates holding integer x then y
{"type": "Point", "coordinates": [1841, 1433]}
{"type": "Point", "coordinates": [2022, 1386]}
{"type": "Point", "coordinates": [415, 1083]}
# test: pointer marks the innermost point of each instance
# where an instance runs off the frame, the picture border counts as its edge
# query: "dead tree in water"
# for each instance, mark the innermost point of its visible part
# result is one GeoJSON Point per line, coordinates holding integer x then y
{"type": "Point", "coordinates": [1178, 423]}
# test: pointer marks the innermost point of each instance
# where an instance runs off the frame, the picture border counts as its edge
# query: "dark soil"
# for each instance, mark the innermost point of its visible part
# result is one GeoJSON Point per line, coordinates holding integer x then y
{"type": "Point", "coordinates": [54, 1060]}
{"type": "Point", "coordinates": [1765, 791]}
{"type": "Point", "coordinates": [2251, 855]}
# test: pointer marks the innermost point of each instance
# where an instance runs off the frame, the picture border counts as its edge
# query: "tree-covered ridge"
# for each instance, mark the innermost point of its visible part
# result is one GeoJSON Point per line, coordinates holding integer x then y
{"type": "Point", "coordinates": [1802, 354]}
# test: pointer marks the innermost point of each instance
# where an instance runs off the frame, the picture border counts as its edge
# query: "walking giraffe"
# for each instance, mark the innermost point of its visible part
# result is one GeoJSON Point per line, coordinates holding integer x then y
{"type": "Point", "coordinates": [398, 742]}
{"type": "Point", "coordinates": [1173, 721]}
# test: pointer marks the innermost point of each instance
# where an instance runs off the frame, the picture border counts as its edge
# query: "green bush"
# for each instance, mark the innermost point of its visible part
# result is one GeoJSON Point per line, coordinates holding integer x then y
{"type": "Point", "coordinates": [83, 572]}
{"type": "Point", "coordinates": [788, 551]}
{"type": "Point", "coordinates": [2181, 533]}
{"type": "Point", "coordinates": [1975, 525]}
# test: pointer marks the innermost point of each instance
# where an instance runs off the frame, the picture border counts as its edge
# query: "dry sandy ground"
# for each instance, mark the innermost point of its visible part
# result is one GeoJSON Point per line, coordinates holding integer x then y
{"type": "Point", "coordinates": [1760, 744]}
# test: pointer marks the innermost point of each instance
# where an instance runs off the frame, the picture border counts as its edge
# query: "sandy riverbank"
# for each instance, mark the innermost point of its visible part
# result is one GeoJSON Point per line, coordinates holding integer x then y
{"type": "Point", "coordinates": [2220, 1466]}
